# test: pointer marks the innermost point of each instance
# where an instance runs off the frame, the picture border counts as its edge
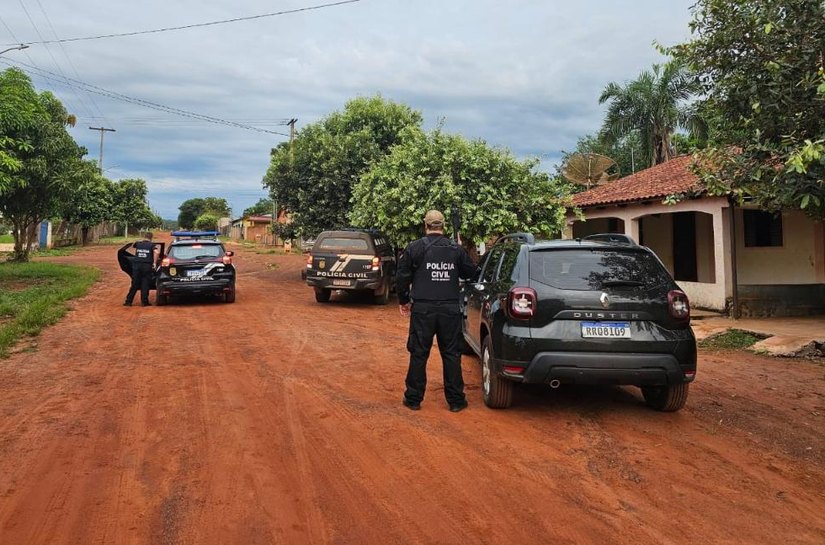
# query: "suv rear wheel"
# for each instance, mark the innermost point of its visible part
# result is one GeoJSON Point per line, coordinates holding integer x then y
{"type": "Point", "coordinates": [668, 398]}
{"type": "Point", "coordinates": [229, 296]}
{"type": "Point", "coordinates": [498, 392]}
{"type": "Point", "coordinates": [322, 295]}
{"type": "Point", "coordinates": [161, 300]}
{"type": "Point", "coordinates": [382, 296]}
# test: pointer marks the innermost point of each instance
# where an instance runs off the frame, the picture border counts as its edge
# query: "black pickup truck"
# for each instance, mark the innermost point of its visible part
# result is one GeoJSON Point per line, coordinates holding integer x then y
{"type": "Point", "coordinates": [352, 260]}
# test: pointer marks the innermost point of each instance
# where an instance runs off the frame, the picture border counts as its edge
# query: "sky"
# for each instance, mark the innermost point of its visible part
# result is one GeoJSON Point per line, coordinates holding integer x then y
{"type": "Point", "coordinates": [524, 75]}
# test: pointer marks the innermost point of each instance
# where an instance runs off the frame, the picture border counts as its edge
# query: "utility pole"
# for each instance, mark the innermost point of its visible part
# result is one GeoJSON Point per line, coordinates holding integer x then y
{"type": "Point", "coordinates": [102, 130]}
{"type": "Point", "coordinates": [291, 124]}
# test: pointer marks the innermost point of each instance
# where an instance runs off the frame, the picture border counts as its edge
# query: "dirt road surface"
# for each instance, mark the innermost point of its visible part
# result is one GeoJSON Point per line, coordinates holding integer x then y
{"type": "Point", "coordinates": [278, 420]}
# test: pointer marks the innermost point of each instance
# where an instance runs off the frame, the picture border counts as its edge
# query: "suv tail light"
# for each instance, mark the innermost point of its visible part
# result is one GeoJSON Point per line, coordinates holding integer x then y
{"type": "Point", "coordinates": [521, 303]}
{"type": "Point", "coordinates": [376, 263]}
{"type": "Point", "coordinates": [227, 259]}
{"type": "Point", "coordinates": [309, 261]}
{"type": "Point", "coordinates": [678, 305]}
{"type": "Point", "coordinates": [166, 261]}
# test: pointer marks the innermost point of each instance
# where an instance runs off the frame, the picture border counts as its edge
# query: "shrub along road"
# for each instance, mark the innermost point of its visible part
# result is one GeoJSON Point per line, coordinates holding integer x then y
{"type": "Point", "coordinates": [278, 420]}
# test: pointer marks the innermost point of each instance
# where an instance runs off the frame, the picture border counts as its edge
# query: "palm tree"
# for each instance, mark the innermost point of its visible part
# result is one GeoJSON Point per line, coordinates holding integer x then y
{"type": "Point", "coordinates": [654, 105]}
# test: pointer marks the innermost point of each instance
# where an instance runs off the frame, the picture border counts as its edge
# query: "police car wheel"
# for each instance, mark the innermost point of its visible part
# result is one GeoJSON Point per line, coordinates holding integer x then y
{"type": "Point", "coordinates": [497, 392]}
{"type": "Point", "coordinates": [382, 296]}
{"type": "Point", "coordinates": [229, 296]}
{"type": "Point", "coordinates": [322, 295]}
{"type": "Point", "coordinates": [161, 300]}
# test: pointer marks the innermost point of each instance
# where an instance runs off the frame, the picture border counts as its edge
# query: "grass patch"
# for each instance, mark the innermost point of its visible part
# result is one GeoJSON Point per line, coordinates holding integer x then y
{"type": "Point", "coordinates": [732, 339]}
{"type": "Point", "coordinates": [6, 239]}
{"type": "Point", "coordinates": [33, 295]}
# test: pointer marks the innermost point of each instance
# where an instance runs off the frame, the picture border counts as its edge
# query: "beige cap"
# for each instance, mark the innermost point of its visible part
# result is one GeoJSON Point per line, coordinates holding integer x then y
{"type": "Point", "coordinates": [434, 218]}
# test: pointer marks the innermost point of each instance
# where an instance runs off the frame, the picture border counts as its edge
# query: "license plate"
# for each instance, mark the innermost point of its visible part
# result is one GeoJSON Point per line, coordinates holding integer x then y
{"type": "Point", "coordinates": [194, 273]}
{"type": "Point", "coordinates": [606, 330]}
{"type": "Point", "coordinates": [341, 283]}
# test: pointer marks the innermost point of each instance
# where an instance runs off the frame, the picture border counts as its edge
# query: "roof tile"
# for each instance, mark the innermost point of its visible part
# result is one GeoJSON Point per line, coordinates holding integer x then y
{"type": "Point", "coordinates": [671, 177]}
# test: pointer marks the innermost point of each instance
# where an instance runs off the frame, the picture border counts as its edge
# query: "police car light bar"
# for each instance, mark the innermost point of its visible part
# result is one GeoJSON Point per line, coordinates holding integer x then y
{"type": "Point", "coordinates": [195, 234]}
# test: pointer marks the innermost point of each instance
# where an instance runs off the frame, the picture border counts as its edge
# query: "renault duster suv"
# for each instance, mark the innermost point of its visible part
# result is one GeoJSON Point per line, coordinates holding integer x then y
{"type": "Point", "coordinates": [598, 310]}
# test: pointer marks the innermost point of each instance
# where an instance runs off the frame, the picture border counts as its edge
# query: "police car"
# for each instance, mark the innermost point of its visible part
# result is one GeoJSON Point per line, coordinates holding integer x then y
{"type": "Point", "coordinates": [196, 263]}
{"type": "Point", "coordinates": [352, 260]}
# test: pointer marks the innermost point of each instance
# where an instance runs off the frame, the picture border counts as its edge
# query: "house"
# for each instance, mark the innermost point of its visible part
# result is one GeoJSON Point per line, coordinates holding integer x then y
{"type": "Point", "coordinates": [257, 228]}
{"type": "Point", "coordinates": [726, 257]}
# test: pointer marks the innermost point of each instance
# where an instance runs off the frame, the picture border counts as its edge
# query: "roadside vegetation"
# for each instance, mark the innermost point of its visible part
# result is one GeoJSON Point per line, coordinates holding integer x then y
{"type": "Point", "coordinates": [732, 339]}
{"type": "Point", "coordinates": [34, 295]}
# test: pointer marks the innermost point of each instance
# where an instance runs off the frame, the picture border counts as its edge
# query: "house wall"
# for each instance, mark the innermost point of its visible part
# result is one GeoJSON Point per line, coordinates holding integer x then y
{"type": "Point", "coordinates": [594, 226]}
{"type": "Point", "coordinates": [795, 262]}
{"type": "Point", "coordinates": [705, 254]}
{"type": "Point", "coordinates": [657, 232]}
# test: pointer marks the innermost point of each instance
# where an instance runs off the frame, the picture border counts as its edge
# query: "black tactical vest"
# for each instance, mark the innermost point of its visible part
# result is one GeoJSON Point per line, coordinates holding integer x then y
{"type": "Point", "coordinates": [435, 276]}
{"type": "Point", "coordinates": [143, 251]}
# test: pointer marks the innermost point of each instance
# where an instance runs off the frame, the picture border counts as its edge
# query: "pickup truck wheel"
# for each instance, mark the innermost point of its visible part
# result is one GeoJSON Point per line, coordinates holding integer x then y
{"type": "Point", "coordinates": [229, 296]}
{"type": "Point", "coordinates": [161, 300]}
{"type": "Point", "coordinates": [382, 296]}
{"type": "Point", "coordinates": [668, 398]}
{"type": "Point", "coordinates": [498, 392]}
{"type": "Point", "coordinates": [322, 295]}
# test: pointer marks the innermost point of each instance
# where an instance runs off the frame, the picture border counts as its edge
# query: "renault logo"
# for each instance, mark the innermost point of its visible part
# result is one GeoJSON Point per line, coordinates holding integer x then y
{"type": "Point", "coordinates": [605, 300]}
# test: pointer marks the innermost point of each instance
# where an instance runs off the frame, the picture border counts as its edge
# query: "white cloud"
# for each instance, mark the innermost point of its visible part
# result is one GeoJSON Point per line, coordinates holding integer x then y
{"type": "Point", "coordinates": [524, 74]}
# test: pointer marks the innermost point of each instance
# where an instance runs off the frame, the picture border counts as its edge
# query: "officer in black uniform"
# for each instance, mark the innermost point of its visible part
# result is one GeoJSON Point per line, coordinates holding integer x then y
{"type": "Point", "coordinates": [433, 265]}
{"type": "Point", "coordinates": [143, 264]}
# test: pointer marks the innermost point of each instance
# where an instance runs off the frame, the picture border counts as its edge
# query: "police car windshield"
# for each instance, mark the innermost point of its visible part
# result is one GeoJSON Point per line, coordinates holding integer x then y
{"type": "Point", "coordinates": [343, 243]}
{"type": "Point", "coordinates": [192, 251]}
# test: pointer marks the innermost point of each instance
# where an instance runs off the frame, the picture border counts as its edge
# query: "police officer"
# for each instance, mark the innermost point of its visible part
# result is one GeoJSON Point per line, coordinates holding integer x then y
{"type": "Point", "coordinates": [143, 264]}
{"type": "Point", "coordinates": [433, 265]}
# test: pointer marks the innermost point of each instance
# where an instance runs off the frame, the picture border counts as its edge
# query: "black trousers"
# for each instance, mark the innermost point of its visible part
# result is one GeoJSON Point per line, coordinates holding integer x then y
{"type": "Point", "coordinates": [141, 278]}
{"type": "Point", "coordinates": [442, 320]}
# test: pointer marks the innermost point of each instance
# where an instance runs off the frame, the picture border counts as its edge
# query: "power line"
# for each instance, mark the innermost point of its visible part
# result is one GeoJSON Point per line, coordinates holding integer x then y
{"type": "Point", "coordinates": [196, 25]}
{"type": "Point", "coordinates": [51, 76]}
{"type": "Point", "coordinates": [89, 96]}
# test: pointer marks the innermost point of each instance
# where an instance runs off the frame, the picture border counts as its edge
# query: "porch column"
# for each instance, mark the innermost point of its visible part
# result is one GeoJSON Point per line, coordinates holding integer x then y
{"type": "Point", "coordinates": [631, 227]}
{"type": "Point", "coordinates": [722, 251]}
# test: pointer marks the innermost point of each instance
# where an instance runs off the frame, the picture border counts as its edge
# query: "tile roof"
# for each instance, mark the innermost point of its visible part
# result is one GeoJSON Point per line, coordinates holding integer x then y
{"type": "Point", "coordinates": [665, 179]}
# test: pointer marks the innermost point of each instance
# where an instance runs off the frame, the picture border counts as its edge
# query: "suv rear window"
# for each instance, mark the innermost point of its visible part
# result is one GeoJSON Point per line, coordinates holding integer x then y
{"type": "Point", "coordinates": [191, 251]}
{"type": "Point", "coordinates": [591, 269]}
{"type": "Point", "coordinates": [342, 244]}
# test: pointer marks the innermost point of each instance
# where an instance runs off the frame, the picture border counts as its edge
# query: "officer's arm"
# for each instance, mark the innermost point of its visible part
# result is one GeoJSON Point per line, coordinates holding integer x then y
{"type": "Point", "coordinates": [403, 277]}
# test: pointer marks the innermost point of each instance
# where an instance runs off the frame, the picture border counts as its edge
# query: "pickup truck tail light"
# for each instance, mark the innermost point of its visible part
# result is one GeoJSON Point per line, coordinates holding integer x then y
{"type": "Point", "coordinates": [376, 263]}
{"type": "Point", "coordinates": [166, 261]}
{"type": "Point", "coordinates": [309, 261]}
{"type": "Point", "coordinates": [678, 305]}
{"type": "Point", "coordinates": [227, 260]}
{"type": "Point", "coordinates": [521, 303]}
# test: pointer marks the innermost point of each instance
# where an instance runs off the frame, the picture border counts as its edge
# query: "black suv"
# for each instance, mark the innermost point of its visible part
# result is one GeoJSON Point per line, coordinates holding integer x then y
{"type": "Point", "coordinates": [196, 264]}
{"type": "Point", "coordinates": [598, 310]}
{"type": "Point", "coordinates": [353, 260]}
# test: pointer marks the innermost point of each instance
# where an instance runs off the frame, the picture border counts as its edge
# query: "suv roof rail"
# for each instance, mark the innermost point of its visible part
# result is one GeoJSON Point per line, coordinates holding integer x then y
{"type": "Point", "coordinates": [370, 230]}
{"type": "Point", "coordinates": [526, 238]}
{"type": "Point", "coordinates": [614, 238]}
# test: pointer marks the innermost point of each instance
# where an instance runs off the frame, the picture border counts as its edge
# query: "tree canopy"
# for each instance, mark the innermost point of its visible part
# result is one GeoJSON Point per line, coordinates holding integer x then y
{"type": "Point", "coordinates": [653, 106]}
{"type": "Point", "coordinates": [760, 66]}
{"type": "Point", "coordinates": [191, 209]}
{"type": "Point", "coordinates": [493, 192]}
{"type": "Point", "coordinates": [313, 177]}
{"type": "Point", "coordinates": [90, 200]}
{"type": "Point", "coordinates": [263, 206]}
{"type": "Point", "coordinates": [38, 157]}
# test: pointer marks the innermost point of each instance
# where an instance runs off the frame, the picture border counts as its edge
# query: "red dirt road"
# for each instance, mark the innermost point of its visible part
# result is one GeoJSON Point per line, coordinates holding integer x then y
{"type": "Point", "coordinates": [278, 420]}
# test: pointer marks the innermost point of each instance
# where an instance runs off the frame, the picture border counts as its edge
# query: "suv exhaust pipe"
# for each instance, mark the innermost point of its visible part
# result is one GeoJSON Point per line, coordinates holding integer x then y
{"type": "Point", "coordinates": [555, 383]}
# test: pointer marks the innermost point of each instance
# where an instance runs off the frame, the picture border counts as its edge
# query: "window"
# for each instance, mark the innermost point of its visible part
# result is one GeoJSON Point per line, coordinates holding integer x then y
{"type": "Point", "coordinates": [508, 262]}
{"type": "Point", "coordinates": [594, 269]}
{"type": "Point", "coordinates": [343, 244]}
{"type": "Point", "coordinates": [762, 229]}
{"type": "Point", "coordinates": [491, 265]}
{"type": "Point", "coordinates": [196, 250]}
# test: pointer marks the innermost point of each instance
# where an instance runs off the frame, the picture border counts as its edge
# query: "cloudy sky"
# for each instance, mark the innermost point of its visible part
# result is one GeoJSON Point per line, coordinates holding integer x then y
{"type": "Point", "coordinates": [520, 74]}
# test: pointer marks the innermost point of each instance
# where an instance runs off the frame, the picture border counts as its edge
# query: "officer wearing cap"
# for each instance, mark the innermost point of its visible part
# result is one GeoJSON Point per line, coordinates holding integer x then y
{"type": "Point", "coordinates": [146, 255]}
{"type": "Point", "coordinates": [428, 293]}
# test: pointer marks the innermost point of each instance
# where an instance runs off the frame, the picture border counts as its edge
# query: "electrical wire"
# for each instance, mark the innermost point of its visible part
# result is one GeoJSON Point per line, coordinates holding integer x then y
{"type": "Point", "coordinates": [51, 76]}
{"type": "Point", "coordinates": [196, 25]}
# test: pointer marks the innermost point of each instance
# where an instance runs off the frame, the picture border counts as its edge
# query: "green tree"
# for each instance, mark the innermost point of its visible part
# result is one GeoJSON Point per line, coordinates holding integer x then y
{"type": "Point", "coordinates": [313, 177]}
{"type": "Point", "coordinates": [760, 64]}
{"type": "Point", "coordinates": [191, 209]}
{"type": "Point", "coordinates": [89, 202]}
{"type": "Point", "coordinates": [654, 105]}
{"type": "Point", "coordinates": [130, 204]}
{"type": "Point", "coordinates": [263, 206]}
{"type": "Point", "coordinates": [208, 221]}
{"type": "Point", "coordinates": [494, 192]}
{"type": "Point", "coordinates": [43, 158]}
